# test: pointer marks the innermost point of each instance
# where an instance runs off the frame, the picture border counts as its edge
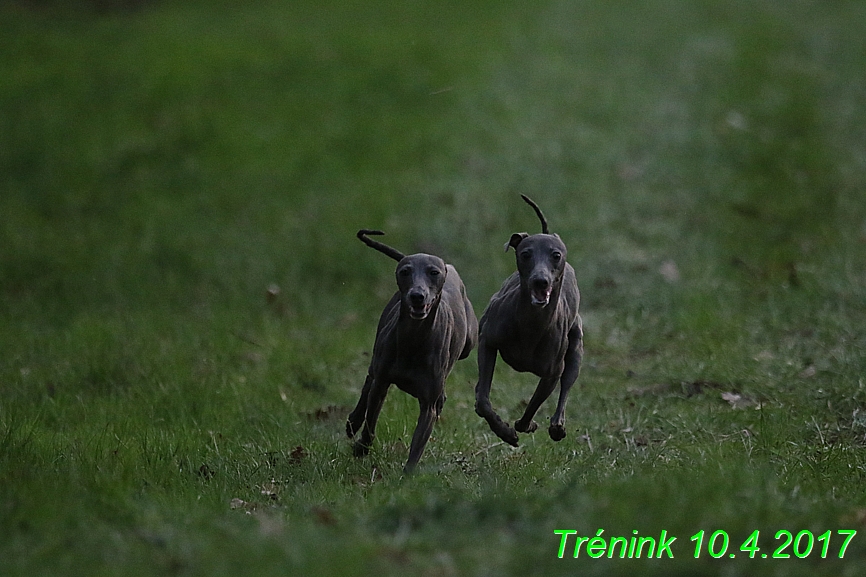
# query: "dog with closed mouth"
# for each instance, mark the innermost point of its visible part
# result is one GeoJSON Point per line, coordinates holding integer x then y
{"type": "Point", "coordinates": [532, 322]}
{"type": "Point", "coordinates": [426, 327]}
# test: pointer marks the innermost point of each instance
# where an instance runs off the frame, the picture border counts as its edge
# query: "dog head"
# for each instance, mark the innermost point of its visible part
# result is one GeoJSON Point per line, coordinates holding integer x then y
{"type": "Point", "coordinates": [420, 278]}
{"type": "Point", "coordinates": [540, 263]}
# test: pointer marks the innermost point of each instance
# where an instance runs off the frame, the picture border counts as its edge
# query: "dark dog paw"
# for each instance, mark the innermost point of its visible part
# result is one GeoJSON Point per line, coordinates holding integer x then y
{"type": "Point", "coordinates": [524, 428]}
{"type": "Point", "coordinates": [507, 434]}
{"type": "Point", "coordinates": [510, 437]}
{"type": "Point", "coordinates": [351, 429]}
{"type": "Point", "coordinates": [359, 449]}
{"type": "Point", "coordinates": [502, 430]}
{"type": "Point", "coordinates": [556, 432]}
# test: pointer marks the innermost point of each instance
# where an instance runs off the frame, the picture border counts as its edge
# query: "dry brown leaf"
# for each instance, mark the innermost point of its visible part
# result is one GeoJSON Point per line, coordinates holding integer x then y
{"type": "Point", "coordinates": [297, 455]}
{"type": "Point", "coordinates": [324, 515]}
{"type": "Point", "coordinates": [808, 372]}
{"type": "Point", "coordinates": [737, 401]}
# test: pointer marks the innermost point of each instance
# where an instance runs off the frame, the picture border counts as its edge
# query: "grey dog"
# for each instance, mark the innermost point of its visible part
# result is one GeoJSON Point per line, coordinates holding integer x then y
{"type": "Point", "coordinates": [533, 323]}
{"type": "Point", "coordinates": [425, 328]}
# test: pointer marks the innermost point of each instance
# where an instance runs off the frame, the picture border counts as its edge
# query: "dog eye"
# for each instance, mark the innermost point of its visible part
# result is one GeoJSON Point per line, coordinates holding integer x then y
{"type": "Point", "coordinates": [526, 255]}
{"type": "Point", "coordinates": [556, 256]}
{"type": "Point", "coordinates": [404, 272]}
{"type": "Point", "coordinates": [434, 272]}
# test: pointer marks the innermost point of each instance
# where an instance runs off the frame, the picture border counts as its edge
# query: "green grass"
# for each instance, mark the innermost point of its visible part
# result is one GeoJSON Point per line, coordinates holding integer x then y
{"type": "Point", "coordinates": [163, 167]}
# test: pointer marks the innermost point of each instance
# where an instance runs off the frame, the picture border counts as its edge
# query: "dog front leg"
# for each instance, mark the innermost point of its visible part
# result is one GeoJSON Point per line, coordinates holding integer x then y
{"type": "Point", "coordinates": [440, 402]}
{"type": "Point", "coordinates": [545, 386]}
{"type": "Point", "coordinates": [375, 400]}
{"type": "Point", "coordinates": [356, 417]}
{"type": "Point", "coordinates": [486, 364]}
{"type": "Point", "coordinates": [573, 357]}
{"type": "Point", "coordinates": [423, 430]}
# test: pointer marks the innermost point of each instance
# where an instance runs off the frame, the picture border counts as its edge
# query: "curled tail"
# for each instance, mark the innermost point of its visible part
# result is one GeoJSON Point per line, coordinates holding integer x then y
{"type": "Point", "coordinates": [543, 220]}
{"type": "Point", "coordinates": [383, 248]}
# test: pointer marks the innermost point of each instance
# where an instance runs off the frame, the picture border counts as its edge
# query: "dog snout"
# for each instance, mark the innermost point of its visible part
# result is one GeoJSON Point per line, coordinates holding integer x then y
{"type": "Point", "coordinates": [540, 289]}
{"type": "Point", "coordinates": [418, 304]}
{"type": "Point", "coordinates": [540, 283]}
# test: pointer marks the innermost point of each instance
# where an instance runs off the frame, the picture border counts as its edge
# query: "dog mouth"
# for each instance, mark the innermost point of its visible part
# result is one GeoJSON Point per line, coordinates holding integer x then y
{"type": "Point", "coordinates": [540, 297]}
{"type": "Point", "coordinates": [419, 312]}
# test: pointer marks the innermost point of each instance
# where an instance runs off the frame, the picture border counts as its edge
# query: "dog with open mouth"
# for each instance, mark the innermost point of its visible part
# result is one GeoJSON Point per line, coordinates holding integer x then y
{"type": "Point", "coordinates": [426, 327]}
{"type": "Point", "coordinates": [533, 323]}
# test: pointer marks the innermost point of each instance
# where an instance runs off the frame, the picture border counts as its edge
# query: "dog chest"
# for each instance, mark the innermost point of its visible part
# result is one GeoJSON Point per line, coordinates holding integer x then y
{"type": "Point", "coordinates": [544, 359]}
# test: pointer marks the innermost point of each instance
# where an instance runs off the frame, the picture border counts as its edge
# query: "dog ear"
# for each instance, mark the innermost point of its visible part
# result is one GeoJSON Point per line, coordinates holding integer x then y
{"type": "Point", "coordinates": [515, 240]}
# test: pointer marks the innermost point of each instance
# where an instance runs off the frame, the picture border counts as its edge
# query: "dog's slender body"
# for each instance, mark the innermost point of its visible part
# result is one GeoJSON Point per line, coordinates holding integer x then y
{"type": "Point", "coordinates": [534, 325]}
{"type": "Point", "coordinates": [426, 327]}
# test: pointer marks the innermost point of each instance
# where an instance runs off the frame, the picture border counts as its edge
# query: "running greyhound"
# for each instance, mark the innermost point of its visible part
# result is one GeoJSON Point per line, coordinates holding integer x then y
{"type": "Point", "coordinates": [533, 323]}
{"type": "Point", "coordinates": [425, 328]}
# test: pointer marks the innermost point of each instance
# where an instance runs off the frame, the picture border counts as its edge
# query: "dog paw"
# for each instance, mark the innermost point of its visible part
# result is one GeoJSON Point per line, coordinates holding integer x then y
{"type": "Point", "coordinates": [360, 449]}
{"type": "Point", "coordinates": [507, 434]}
{"type": "Point", "coordinates": [502, 430]}
{"type": "Point", "coordinates": [556, 432]}
{"type": "Point", "coordinates": [524, 428]}
{"type": "Point", "coordinates": [351, 429]}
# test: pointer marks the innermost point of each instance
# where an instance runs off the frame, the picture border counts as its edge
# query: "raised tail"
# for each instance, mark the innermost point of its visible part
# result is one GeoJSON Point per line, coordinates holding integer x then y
{"type": "Point", "coordinates": [543, 220]}
{"type": "Point", "coordinates": [383, 248]}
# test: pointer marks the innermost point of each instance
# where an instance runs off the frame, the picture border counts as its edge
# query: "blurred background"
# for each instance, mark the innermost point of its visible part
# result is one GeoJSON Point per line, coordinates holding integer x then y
{"type": "Point", "coordinates": [185, 156]}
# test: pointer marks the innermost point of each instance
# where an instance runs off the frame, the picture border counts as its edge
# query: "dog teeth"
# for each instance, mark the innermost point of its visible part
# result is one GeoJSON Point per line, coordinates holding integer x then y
{"type": "Point", "coordinates": [540, 299]}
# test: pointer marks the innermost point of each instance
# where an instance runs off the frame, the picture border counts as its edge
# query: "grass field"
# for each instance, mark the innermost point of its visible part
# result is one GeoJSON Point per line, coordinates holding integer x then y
{"type": "Point", "coordinates": [187, 317]}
